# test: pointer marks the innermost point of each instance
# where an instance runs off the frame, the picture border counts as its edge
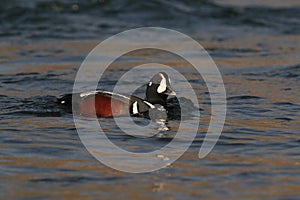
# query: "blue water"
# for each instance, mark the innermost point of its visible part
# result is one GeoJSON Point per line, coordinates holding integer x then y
{"type": "Point", "coordinates": [256, 47]}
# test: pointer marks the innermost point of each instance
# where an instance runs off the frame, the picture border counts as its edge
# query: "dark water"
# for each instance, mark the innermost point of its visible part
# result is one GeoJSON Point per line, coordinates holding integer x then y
{"type": "Point", "coordinates": [256, 47]}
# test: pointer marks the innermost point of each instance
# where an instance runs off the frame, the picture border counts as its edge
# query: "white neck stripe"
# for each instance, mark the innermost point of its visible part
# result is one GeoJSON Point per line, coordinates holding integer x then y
{"type": "Point", "coordinates": [135, 108]}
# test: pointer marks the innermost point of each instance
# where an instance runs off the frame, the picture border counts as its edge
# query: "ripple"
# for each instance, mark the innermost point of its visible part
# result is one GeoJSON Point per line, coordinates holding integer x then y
{"type": "Point", "coordinates": [243, 97]}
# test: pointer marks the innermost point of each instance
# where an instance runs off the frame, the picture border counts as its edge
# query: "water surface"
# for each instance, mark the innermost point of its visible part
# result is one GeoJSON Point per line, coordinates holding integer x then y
{"type": "Point", "coordinates": [256, 47]}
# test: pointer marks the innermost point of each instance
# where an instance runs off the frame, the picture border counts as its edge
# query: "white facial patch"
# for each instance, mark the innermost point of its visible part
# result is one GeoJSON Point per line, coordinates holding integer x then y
{"type": "Point", "coordinates": [135, 108]}
{"type": "Point", "coordinates": [150, 83]}
{"type": "Point", "coordinates": [62, 102]}
{"type": "Point", "coordinates": [162, 86]}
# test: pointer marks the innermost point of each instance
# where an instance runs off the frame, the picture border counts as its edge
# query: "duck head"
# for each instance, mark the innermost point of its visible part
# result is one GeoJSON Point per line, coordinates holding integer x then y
{"type": "Point", "coordinates": [159, 88]}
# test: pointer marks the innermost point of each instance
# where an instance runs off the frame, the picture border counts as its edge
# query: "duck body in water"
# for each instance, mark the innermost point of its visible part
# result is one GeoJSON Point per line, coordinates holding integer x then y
{"type": "Point", "coordinates": [109, 104]}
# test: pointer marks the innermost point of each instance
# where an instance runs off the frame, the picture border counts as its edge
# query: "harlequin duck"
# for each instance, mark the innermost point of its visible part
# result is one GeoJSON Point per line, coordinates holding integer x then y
{"type": "Point", "coordinates": [159, 88]}
{"type": "Point", "coordinates": [108, 104]}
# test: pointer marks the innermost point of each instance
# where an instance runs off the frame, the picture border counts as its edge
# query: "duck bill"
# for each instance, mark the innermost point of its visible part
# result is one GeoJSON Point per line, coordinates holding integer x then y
{"type": "Point", "coordinates": [170, 92]}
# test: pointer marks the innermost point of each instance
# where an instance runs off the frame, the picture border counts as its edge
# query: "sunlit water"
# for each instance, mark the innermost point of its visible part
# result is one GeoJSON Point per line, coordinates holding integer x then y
{"type": "Point", "coordinates": [255, 47]}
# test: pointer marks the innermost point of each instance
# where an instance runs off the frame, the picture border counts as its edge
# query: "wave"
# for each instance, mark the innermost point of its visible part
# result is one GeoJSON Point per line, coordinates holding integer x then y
{"type": "Point", "coordinates": [91, 18]}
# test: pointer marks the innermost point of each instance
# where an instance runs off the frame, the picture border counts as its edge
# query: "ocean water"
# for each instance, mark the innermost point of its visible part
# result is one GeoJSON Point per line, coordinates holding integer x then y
{"type": "Point", "coordinates": [256, 47]}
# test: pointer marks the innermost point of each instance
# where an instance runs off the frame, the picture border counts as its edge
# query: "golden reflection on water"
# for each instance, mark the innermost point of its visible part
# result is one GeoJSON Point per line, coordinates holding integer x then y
{"type": "Point", "coordinates": [190, 176]}
{"type": "Point", "coordinates": [194, 179]}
